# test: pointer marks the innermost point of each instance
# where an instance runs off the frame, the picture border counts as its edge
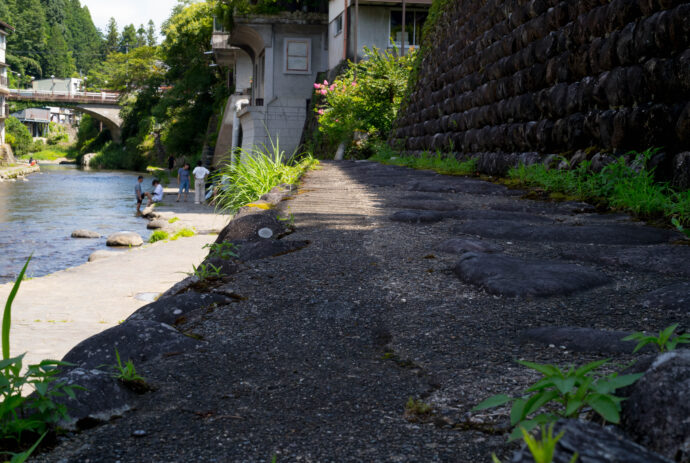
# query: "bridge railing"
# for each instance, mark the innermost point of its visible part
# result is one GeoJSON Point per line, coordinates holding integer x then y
{"type": "Point", "coordinates": [74, 97]}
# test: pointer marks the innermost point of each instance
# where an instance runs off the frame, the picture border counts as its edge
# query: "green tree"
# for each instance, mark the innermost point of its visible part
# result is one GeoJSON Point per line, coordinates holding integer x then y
{"type": "Point", "coordinates": [27, 44]}
{"type": "Point", "coordinates": [58, 60]}
{"type": "Point", "coordinates": [128, 39]}
{"type": "Point", "coordinates": [112, 37]}
{"type": "Point", "coordinates": [82, 36]}
{"type": "Point", "coordinates": [18, 136]}
{"type": "Point", "coordinates": [151, 34]}
{"type": "Point", "coordinates": [141, 36]}
{"type": "Point", "coordinates": [55, 11]}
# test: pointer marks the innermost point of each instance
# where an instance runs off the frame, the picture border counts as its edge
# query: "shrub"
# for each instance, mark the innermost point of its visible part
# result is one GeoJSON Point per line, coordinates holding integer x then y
{"type": "Point", "coordinates": [184, 233]}
{"type": "Point", "coordinates": [663, 342]}
{"type": "Point", "coordinates": [18, 136]}
{"type": "Point", "coordinates": [366, 97]}
{"type": "Point", "coordinates": [441, 163]}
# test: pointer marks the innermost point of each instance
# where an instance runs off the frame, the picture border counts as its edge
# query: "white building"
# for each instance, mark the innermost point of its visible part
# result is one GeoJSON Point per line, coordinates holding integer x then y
{"type": "Point", "coordinates": [273, 62]}
{"type": "Point", "coordinates": [54, 85]}
{"type": "Point", "coordinates": [353, 25]}
{"type": "Point", "coordinates": [4, 82]}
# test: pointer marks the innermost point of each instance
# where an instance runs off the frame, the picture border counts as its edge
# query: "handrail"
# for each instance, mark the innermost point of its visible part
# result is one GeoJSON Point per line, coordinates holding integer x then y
{"type": "Point", "coordinates": [78, 97]}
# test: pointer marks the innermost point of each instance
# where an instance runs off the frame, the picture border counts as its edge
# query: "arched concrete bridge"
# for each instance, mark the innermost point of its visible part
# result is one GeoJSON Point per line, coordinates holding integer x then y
{"type": "Point", "coordinates": [102, 106]}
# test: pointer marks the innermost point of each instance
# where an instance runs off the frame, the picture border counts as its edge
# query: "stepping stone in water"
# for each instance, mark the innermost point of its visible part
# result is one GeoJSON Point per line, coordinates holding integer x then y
{"type": "Point", "coordinates": [581, 339]}
{"type": "Point", "coordinates": [670, 297]}
{"type": "Point", "coordinates": [513, 276]}
{"type": "Point", "coordinates": [598, 234]}
{"type": "Point", "coordinates": [417, 217]}
{"type": "Point", "coordinates": [463, 245]}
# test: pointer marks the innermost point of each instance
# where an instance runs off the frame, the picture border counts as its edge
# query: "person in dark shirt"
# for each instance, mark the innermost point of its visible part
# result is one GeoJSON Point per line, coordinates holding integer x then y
{"type": "Point", "coordinates": [171, 163]}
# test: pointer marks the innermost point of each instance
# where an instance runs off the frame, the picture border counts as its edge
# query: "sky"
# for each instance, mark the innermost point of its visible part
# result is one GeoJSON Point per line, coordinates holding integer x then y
{"type": "Point", "coordinates": [129, 12]}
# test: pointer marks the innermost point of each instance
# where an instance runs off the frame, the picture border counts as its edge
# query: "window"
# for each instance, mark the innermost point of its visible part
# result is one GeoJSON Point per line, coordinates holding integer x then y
{"type": "Point", "coordinates": [297, 56]}
{"type": "Point", "coordinates": [338, 25]}
{"type": "Point", "coordinates": [414, 20]}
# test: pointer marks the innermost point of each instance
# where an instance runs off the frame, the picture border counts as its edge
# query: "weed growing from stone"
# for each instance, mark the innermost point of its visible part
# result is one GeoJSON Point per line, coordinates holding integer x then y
{"type": "Point", "coordinates": [620, 185]}
{"type": "Point", "coordinates": [224, 250]}
{"type": "Point", "coordinates": [664, 341]}
{"type": "Point", "coordinates": [676, 223]}
{"type": "Point", "coordinates": [127, 374]}
{"type": "Point", "coordinates": [542, 450]}
{"type": "Point", "coordinates": [207, 272]}
{"type": "Point", "coordinates": [417, 410]}
{"type": "Point", "coordinates": [564, 394]}
{"type": "Point", "coordinates": [173, 220]}
{"type": "Point", "coordinates": [159, 235]}
{"type": "Point", "coordinates": [24, 417]}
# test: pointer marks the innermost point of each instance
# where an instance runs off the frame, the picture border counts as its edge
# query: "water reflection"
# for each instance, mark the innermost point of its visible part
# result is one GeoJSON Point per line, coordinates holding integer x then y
{"type": "Point", "coordinates": [39, 215]}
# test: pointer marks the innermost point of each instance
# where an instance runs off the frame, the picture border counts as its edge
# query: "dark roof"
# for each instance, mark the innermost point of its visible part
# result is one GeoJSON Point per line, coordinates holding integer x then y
{"type": "Point", "coordinates": [4, 25]}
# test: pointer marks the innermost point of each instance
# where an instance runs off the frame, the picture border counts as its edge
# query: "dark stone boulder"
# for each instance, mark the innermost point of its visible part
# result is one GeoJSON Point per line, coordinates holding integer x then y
{"type": "Point", "coordinates": [246, 227]}
{"type": "Point", "coordinates": [88, 234]}
{"type": "Point", "coordinates": [461, 185]}
{"type": "Point", "coordinates": [593, 444]}
{"type": "Point", "coordinates": [102, 399]}
{"type": "Point", "coordinates": [513, 276]}
{"type": "Point", "coordinates": [170, 309]}
{"type": "Point", "coordinates": [417, 216]}
{"type": "Point", "coordinates": [278, 193]}
{"type": "Point", "coordinates": [255, 250]}
{"type": "Point", "coordinates": [464, 245]}
{"type": "Point", "coordinates": [681, 170]}
{"type": "Point", "coordinates": [657, 410]}
{"type": "Point", "coordinates": [605, 233]}
{"type": "Point", "coordinates": [581, 339]}
{"type": "Point", "coordinates": [668, 259]}
{"type": "Point", "coordinates": [673, 297]}
{"type": "Point", "coordinates": [138, 340]}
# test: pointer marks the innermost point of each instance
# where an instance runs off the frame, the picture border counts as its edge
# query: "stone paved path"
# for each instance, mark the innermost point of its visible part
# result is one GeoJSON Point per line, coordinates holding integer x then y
{"type": "Point", "coordinates": [322, 347]}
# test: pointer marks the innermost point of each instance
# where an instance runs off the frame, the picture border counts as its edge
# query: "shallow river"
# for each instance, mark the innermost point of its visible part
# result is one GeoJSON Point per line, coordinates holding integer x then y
{"type": "Point", "coordinates": [38, 217]}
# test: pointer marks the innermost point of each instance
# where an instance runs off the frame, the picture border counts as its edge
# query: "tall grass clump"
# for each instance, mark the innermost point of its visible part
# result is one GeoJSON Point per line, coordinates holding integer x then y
{"type": "Point", "coordinates": [620, 185]}
{"type": "Point", "coordinates": [255, 173]}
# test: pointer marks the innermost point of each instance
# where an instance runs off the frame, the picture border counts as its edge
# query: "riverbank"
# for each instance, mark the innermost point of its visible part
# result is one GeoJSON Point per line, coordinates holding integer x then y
{"type": "Point", "coordinates": [14, 172]}
{"type": "Point", "coordinates": [54, 312]}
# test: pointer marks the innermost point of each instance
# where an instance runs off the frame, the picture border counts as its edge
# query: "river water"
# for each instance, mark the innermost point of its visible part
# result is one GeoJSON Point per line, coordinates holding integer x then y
{"type": "Point", "coordinates": [39, 216]}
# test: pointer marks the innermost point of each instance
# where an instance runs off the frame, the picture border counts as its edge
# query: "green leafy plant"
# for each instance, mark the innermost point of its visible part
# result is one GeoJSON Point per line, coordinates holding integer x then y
{"type": "Point", "coordinates": [173, 220]}
{"type": "Point", "coordinates": [207, 271]}
{"type": "Point", "coordinates": [417, 409]}
{"type": "Point", "coordinates": [664, 341]}
{"type": "Point", "coordinates": [23, 456]}
{"type": "Point", "coordinates": [159, 235]}
{"type": "Point", "coordinates": [38, 412]}
{"type": "Point", "coordinates": [289, 219]}
{"type": "Point", "coordinates": [126, 372]}
{"type": "Point", "coordinates": [224, 250]}
{"type": "Point", "coordinates": [563, 393]}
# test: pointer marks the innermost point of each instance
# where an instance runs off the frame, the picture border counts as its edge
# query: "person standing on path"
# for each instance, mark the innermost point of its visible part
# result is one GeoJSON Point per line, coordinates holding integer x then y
{"type": "Point", "coordinates": [183, 181]}
{"type": "Point", "coordinates": [171, 163]}
{"type": "Point", "coordinates": [200, 173]}
{"type": "Point", "coordinates": [139, 193]}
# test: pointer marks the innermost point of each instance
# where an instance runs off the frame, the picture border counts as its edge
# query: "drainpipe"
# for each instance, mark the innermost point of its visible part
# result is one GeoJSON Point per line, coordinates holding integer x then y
{"type": "Point", "coordinates": [236, 126]}
{"type": "Point", "coordinates": [356, 33]}
{"type": "Point", "coordinates": [346, 25]}
{"type": "Point", "coordinates": [402, 39]}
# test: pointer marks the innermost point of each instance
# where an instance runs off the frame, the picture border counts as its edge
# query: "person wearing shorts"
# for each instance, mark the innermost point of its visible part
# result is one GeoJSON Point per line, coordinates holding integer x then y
{"type": "Point", "coordinates": [140, 195]}
{"type": "Point", "coordinates": [183, 181]}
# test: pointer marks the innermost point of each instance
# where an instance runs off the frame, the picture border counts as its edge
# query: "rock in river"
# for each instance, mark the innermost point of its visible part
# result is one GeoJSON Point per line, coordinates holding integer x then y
{"type": "Point", "coordinates": [124, 239]}
{"type": "Point", "coordinates": [99, 255]}
{"type": "Point", "coordinates": [85, 234]}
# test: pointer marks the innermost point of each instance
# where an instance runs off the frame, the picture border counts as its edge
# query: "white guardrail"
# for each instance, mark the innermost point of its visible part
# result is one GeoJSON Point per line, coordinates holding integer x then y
{"type": "Point", "coordinates": [81, 96]}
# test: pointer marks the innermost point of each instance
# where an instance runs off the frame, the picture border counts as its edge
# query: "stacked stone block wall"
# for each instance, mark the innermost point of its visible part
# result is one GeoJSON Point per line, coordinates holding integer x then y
{"type": "Point", "coordinates": [519, 80]}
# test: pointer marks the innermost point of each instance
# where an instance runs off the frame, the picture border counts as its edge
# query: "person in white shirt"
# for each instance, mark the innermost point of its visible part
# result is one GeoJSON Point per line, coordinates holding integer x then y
{"type": "Point", "coordinates": [200, 173]}
{"type": "Point", "coordinates": [157, 195]}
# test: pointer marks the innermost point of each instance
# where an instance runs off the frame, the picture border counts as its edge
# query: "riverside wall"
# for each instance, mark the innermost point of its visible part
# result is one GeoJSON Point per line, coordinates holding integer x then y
{"type": "Point", "coordinates": [519, 80]}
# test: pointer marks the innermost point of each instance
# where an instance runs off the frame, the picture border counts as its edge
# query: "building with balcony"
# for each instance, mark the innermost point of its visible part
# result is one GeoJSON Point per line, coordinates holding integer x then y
{"type": "Point", "coordinates": [37, 120]}
{"type": "Point", "coordinates": [272, 63]}
{"type": "Point", "coordinates": [5, 29]}
{"type": "Point", "coordinates": [355, 24]}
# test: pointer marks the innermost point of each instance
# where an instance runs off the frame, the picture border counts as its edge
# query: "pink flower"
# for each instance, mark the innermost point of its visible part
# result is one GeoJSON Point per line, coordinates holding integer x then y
{"type": "Point", "coordinates": [332, 87]}
{"type": "Point", "coordinates": [316, 86]}
{"type": "Point", "coordinates": [321, 112]}
{"type": "Point", "coordinates": [354, 84]}
{"type": "Point", "coordinates": [324, 92]}
{"type": "Point", "coordinates": [325, 82]}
